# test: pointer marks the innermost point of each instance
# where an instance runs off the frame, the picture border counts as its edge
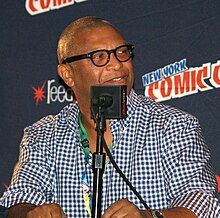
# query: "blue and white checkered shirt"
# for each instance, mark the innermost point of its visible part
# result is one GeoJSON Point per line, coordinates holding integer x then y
{"type": "Point", "coordinates": [159, 149]}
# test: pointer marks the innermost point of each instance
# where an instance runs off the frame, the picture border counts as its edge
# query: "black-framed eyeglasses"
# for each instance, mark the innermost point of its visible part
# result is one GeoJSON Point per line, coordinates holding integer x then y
{"type": "Point", "coordinates": [101, 57]}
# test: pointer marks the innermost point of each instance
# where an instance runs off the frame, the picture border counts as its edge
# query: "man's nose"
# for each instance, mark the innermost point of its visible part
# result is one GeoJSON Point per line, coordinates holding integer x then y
{"type": "Point", "coordinates": [113, 62]}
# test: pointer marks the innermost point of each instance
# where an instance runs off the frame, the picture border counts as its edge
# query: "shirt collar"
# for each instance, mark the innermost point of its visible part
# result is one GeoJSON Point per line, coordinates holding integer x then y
{"type": "Point", "coordinates": [133, 102]}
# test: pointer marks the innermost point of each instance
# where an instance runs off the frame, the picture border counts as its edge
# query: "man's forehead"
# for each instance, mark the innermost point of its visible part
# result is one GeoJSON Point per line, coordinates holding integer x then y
{"type": "Point", "coordinates": [92, 39]}
{"type": "Point", "coordinates": [97, 32]}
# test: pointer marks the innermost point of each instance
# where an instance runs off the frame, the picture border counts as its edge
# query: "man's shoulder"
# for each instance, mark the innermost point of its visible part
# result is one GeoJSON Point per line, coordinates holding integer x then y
{"type": "Point", "coordinates": [46, 131]}
{"type": "Point", "coordinates": [50, 122]}
{"type": "Point", "coordinates": [158, 109]}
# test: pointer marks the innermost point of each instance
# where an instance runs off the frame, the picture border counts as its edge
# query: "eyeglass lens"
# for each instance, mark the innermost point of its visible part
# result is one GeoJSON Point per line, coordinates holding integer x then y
{"type": "Point", "coordinates": [122, 53]}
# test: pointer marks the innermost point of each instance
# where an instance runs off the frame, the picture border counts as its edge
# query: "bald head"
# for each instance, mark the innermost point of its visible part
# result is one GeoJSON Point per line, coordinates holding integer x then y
{"type": "Point", "coordinates": [68, 39]}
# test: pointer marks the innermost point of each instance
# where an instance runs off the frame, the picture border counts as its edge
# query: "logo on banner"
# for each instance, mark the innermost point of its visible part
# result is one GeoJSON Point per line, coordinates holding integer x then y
{"type": "Point", "coordinates": [52, 93]}
{"type": "Point", "coordinates": [177, 80]}
{"type": "Point", "coordinates": [39, 93]}
{"type": "Point", "coordinates": [34, 7]}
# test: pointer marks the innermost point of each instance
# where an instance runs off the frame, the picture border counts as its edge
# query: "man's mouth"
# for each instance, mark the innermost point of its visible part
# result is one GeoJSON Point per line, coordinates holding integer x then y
{"type": "Point", "coordinates": [117, 79]}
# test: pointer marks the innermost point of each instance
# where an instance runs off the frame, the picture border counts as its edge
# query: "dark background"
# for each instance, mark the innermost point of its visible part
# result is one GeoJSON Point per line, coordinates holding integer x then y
{"type": "Point", "coordinates": [163, 32]}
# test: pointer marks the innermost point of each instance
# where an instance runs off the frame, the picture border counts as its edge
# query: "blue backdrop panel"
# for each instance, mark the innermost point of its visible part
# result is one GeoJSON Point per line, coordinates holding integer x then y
{"type": "Point", "coordinates": [163, 32]}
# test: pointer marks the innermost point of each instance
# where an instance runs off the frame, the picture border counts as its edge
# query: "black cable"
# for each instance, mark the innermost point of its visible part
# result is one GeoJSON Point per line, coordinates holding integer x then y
{"type": "Point", "coordinates": [123, 176]}
{"type": "Point", "coordinates": [116, 166]}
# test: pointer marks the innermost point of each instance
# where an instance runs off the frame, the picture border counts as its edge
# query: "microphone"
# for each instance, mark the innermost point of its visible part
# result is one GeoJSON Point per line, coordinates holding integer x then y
{"type": "Point", "coordinates": [112, 100]}
{"type": "Point", "coordinates": [102, 101]}
{"type": "Point", "coordinates": [106, 102]}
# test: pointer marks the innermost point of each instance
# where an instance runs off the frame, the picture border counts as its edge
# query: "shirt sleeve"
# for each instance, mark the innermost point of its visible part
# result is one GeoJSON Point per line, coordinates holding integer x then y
{"type": "Point", "coordinates": [200, 203]}
{"type": "Point", "coordinates": [189, 177]}
{"type": "Point", "coordinates": [31, 181]}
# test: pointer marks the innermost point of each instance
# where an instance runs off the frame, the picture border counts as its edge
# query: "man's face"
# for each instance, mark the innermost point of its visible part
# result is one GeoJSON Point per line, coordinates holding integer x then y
{"type": "Point", "coordinates": [85, 73]}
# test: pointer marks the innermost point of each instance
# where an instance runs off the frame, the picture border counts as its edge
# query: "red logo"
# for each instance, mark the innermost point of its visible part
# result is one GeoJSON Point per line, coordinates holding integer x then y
{"type": "Point", "coordinates": [169, 83]}
{"type": "Point", "coordinates": [40, 6]}
{"type": "Point", "coordinates": [39, 93]}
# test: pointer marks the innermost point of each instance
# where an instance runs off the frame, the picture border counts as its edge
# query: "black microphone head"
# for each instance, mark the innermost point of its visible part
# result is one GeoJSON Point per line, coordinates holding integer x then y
{"type": "Point", "coordinates": [103, 101]}
{"type": "Point", "coordinates": [112, 99]}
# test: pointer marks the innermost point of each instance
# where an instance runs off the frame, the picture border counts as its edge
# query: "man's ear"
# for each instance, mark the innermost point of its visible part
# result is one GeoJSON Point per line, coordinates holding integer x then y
{"type": "Point", "coordinates": [66, 74]}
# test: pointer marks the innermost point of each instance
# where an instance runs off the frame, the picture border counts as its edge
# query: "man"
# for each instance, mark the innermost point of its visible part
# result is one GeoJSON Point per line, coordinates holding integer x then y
{"type": "Point", "coordinates": [159, 148]}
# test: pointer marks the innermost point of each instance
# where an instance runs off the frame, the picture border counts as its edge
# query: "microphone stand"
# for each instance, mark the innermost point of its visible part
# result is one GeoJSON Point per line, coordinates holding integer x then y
{"type": "Point", "coordinates": [98, 164]}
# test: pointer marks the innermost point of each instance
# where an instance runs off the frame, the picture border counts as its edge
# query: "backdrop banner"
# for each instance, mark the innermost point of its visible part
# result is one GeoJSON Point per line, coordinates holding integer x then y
{"type": "Point", "coordinates": [176, 61]}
